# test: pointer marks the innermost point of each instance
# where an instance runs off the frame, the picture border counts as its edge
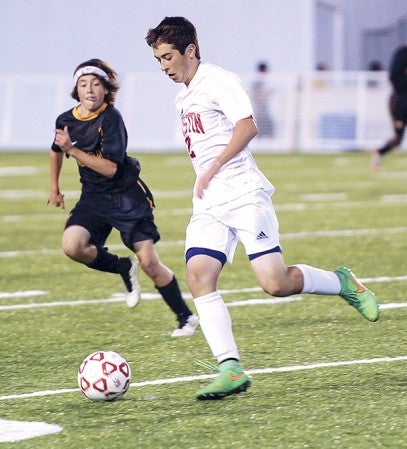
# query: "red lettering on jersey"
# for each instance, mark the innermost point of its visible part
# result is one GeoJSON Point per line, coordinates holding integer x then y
{"type": "Point", "coordinates": [191, 123]}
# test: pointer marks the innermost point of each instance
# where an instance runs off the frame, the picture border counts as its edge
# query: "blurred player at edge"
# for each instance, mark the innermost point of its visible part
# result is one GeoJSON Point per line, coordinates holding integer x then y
{"type": "Point", "coordinates": [231, 203]}
{"type": "Point", "coordinates": [113, 195]}
{"type": "Point", "coordinates": [397, 105]}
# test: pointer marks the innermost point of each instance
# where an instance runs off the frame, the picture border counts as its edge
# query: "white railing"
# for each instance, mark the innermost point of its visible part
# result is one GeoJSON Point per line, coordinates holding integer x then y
{"type": "Point", "coordinates": [318, 111]}
{"type": "Point", "coordinates": [343, 110]}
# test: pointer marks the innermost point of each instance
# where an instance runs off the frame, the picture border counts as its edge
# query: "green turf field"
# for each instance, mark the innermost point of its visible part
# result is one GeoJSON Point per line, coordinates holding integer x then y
{"type": "Point", "coordinates": [324, 377]}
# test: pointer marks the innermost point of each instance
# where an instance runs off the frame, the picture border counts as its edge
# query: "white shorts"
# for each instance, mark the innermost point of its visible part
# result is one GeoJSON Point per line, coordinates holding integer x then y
{"type": "Point", "coordinates": [250, 219]}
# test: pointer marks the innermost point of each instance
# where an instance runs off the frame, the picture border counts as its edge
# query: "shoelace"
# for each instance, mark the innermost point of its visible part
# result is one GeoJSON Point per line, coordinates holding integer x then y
{"type": "Point", "coordinates": [209, 366]}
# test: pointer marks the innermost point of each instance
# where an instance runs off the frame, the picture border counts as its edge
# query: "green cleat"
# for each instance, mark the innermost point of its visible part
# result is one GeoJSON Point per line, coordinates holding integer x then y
{"type": "Point", "coordinates": [357, 295]}
{"type": "Point", "coordinates": [231, 380]}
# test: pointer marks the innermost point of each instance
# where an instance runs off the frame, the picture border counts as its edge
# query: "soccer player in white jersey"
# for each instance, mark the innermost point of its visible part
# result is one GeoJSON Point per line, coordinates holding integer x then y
{"type": "Point", "coordinates": [231, 203]}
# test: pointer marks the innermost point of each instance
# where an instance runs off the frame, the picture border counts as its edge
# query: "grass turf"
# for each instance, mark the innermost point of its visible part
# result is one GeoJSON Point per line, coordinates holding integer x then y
{"type": "Point", "coordinates": [332, 210]}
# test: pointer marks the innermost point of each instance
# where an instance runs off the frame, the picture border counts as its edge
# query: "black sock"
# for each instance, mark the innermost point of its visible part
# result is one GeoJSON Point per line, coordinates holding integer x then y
{"type": "Point", "coordinates": [230, 358]}
{"type": "Point", "coordinates": [173, 297]}
{"type": "Point", "coordinates": [106, 261]}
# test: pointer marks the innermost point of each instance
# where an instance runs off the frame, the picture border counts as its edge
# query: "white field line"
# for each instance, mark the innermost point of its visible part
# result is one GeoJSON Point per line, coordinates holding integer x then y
{"type": "Point", "coordinates": [32, 217]}
{"type": "Point", "coordinates": [343, 233]}
{"type": "Point", "coordinates": [12, 431]}
{"type": "Point", "coordinates": [146, 296]}
{"type": "Point", "coordinates": [332, 199]}
{"type": "Point", "coordinates": [119, 297]}
{"type": "Point", "coordinates": [172, 380]}
{"type": "Point", "coordinates": [28, 252]}
{"type": "Point", "coordinates": [23, 194]}
{"type": "Point", "coordinates": [394, 199]}
{"type": "Point", "coordinates": [283, 236]}
{"type": "Point", "coordinates": [32, 193]}
{"type": "Point", "coordinates": [22, 294]}
{"type": "Point", "coordinates": [18, 171]}
{"type": "Point", "coordinates": [393, 305]}
{"type": "Point", "coordinates": [399, 200]}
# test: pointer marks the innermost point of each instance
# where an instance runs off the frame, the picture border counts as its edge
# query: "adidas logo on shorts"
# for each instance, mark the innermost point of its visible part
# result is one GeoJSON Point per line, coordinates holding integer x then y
{"type": "Point", "coordinates": [261, 235]}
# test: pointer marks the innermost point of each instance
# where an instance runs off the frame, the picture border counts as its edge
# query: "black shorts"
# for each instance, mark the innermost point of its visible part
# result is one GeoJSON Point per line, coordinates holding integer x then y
{"type": "Point", "coordinates": [130, 212]}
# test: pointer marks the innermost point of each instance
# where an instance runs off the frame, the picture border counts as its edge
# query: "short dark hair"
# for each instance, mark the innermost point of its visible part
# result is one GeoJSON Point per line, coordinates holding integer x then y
{"type": "Point", "coordinates": [177, 31]}
{"type": "Point", "coordinates": [111, 84]}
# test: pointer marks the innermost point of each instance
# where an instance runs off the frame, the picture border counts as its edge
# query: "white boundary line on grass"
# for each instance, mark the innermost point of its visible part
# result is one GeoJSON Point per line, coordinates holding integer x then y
{"type": "Point", "coordinates": [22, 294]}
{"type": "Point", "coordinates": [172, 380]}
{"type": "Point", "coordinates": [12, 431]}
{"type": "Point", "coordinates": [120, 298]}
{"type": "Point", "coordinates": [144, 297]}
{"type": "Point", "coordinates": [283, 236]}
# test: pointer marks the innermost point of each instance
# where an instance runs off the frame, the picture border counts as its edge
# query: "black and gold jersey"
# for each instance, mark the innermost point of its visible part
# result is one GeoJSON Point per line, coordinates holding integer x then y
{"type": "Point", "coordinates": [104, 135]}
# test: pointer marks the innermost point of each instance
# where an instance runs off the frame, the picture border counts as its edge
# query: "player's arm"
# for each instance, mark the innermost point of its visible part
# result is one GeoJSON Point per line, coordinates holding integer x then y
{"type": "Point", "coordinates": [245, 130]}
{"type": "Point", "coordinates": [55, 196]}
{"type": "Point", "coordinates": [100, 165]}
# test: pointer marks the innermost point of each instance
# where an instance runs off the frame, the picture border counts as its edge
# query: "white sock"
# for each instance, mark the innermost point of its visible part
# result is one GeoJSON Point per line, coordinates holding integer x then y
{"type": "Point", "coordinates": [319, 281]}
{"type": "Point", "coordinates": [216, 326]}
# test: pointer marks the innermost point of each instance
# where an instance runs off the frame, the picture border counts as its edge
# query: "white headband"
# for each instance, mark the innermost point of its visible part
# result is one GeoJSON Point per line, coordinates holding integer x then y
{"type": "Point", "coordinates": [90, 70]}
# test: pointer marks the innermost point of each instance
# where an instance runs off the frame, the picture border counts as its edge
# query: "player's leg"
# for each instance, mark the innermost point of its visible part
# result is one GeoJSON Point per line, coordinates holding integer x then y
{"type": "Point", "coordinates": [204, 265]}
{"type": "Point", "coordinates": [259, 234]}
{"type": "Point", "coordinates": [278, 280]}
{"type": "Point", "coordinates": [75, 244]}
{"type": "Point", "coordinates": [84, 236]}
{"type": "Point", "coordinates": [398, 112]}
{"type": "Point", "coordinates": [216, 325]}
{"type": "Point", "coordinates": [394, 142]}
{"type": "Point", "coordinates": [136, 205]}
{"type": "Point", "coordinates": [135, 221]}
{"type": "Point", "coordinates": [83, 239]}
{"type": "Point", "coordinates": [166, 283]}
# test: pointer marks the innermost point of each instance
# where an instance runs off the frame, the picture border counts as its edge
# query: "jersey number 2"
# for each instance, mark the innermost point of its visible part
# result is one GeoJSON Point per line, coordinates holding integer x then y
{"type": "Point", "coordinates": [188, 142]}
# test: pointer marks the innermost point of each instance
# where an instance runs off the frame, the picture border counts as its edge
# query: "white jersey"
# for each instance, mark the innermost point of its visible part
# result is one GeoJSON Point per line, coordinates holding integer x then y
{"type": "Point", "coordinates": [209, 108]}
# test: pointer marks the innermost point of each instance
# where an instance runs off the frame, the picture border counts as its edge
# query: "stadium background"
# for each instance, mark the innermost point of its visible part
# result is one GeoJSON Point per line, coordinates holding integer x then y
{"type": "Point", "coordinates": [42, 41]}
{"type": "Point", "coordinates": [324, 377]}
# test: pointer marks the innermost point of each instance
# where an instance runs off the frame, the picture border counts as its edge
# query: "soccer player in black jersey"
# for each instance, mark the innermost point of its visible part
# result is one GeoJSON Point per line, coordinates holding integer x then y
{"type": "Point", "coordinates": [397, 104]}
{"type": "Point", "coordinates": [113, 195]}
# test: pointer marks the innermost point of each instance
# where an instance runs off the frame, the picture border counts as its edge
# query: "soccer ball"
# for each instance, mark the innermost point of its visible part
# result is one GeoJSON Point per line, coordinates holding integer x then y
{"type": "Point", "coordinates": [104, 376]}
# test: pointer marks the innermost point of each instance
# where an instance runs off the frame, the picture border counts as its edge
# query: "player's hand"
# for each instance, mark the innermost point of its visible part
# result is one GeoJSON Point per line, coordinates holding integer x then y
{"type": "Point", "coordinates": [57, 200]}
{"type": "Point", "coordinates": [202, 183]}
{"type": "Point", "coordinates": [63, 139]}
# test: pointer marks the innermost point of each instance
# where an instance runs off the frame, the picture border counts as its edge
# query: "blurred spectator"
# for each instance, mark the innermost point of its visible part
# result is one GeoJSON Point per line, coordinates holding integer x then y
{"type": "Point", "coordinates": [374, 66]}
{"type": "Point", "coordinates": [320, 81]}
{"type": "Point", "coordinates": [322, 67]}
{"type": "Point", "coordinates": [260, 94]}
